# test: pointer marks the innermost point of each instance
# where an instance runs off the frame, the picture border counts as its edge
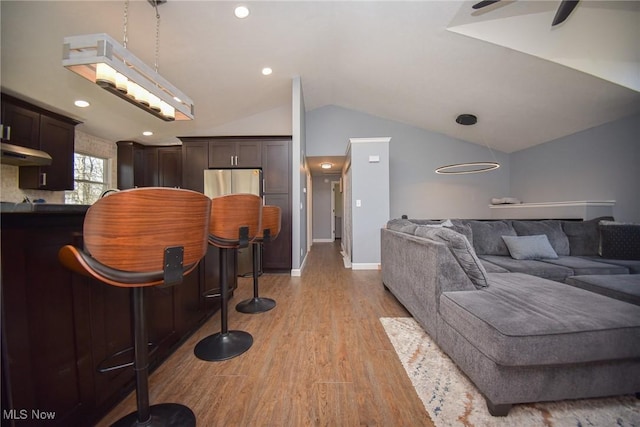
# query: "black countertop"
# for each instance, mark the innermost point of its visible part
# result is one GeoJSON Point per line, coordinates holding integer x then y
{"type": "Point", "coordinates": [9, 207]}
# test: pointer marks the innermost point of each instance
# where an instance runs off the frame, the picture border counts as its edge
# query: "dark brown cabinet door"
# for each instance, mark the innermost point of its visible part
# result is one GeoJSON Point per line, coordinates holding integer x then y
{"type": "Point", "coordinates": [195, 160]}
{"type": "Point", "coordinates": [222, 154]}
{"type": "Point", "coordinates": [276, 255]}
{"type": "Point", "coordinates": [249, 154]}
{"type": "Point", "coordinates": [235, 153]}
{"type": "Point", "coordinates": [150, 168]}
{"type": "Point", "coordinates": [44, 327]}
{"type": "Point", "coordinates": [276, 164]}
{"type": "Point", "coordinates": [170, 167]}
{"type": "Point", "coordinates": [130, 165]}
{"type": "Point", "coordinates": [58, 139]}
{"type": "Point", "coordinates": [21, 126]}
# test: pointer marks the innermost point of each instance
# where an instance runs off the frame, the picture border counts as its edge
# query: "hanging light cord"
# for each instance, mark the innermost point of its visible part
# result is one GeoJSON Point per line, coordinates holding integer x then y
{"type": "Point", "coordinates": [125, 22]}
{"type": "Point", "coordinates": [155, 4]}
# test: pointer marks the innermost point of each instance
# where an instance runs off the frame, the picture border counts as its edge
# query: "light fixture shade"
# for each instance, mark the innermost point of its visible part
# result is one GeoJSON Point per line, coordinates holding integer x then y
{"type": "Point", "coordinates": [84, 55]}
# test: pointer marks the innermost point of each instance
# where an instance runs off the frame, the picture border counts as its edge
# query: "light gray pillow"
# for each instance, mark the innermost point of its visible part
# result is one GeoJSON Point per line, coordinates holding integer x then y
{"type": "Point", "coordinates": [530, 247]}
{"type": "Point", "coordinates": [550, 227]}
{"type": "Point", "coordinates": [461, 250]}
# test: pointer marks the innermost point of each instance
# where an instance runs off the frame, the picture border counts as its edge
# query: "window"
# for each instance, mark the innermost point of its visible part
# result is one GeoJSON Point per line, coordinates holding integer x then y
{"type": "Point", "coordinates": [90, 180]}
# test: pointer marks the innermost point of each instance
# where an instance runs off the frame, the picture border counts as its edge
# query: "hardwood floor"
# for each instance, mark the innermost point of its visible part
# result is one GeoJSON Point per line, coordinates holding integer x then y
{"type": "Point", "coordinates": [319, 358]}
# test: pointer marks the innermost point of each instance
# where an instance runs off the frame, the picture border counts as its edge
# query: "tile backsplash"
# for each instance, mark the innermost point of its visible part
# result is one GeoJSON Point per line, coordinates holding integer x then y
{"type": "Point", "coordinates": [84, 143]}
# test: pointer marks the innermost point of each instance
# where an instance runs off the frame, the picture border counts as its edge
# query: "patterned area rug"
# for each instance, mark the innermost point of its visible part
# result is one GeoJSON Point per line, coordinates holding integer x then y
{"type": "Point", "coordinates": [452, 400]}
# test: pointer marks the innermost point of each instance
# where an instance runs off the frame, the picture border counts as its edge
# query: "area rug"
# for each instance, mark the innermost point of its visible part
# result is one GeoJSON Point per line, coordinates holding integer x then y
{"type": "Point", "coordinates": [452, 400]}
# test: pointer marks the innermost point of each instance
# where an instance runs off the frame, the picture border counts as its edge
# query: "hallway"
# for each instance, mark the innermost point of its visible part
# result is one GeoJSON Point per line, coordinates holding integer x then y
{"type": "Point", "coordinates": [319, 358]}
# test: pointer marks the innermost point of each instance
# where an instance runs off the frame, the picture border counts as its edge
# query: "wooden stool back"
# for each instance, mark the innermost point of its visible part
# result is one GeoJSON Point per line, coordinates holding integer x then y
{"type": "Point", "coordinates": [230, 213]}
{"type": "Point", "coordinates": [271, 221]}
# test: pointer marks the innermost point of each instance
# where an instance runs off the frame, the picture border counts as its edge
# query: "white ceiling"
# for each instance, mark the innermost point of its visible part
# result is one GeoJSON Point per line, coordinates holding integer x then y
{"type": "Point", "coordinates": [395, 60]}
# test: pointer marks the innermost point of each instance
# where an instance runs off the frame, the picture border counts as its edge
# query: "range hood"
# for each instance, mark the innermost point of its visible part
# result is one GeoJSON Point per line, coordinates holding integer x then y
{"type": "Point", "coordinates": [23, 156]}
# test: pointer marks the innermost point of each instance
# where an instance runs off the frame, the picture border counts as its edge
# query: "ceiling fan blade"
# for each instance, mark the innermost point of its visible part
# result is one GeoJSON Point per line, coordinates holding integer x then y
{"type": "Point", "coordinates": [564, 10]}
{"type": "Point", "coordinates": [484, 3]}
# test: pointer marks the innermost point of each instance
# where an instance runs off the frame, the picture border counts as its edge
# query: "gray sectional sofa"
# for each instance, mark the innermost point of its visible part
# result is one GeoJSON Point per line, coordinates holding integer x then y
{"type": "Point", "coordinates": [516, 329]}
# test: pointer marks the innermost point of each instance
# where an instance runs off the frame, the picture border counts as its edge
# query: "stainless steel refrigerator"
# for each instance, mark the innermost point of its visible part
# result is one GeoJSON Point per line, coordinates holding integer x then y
{"type": "Point", "coordinates": [220, 182]}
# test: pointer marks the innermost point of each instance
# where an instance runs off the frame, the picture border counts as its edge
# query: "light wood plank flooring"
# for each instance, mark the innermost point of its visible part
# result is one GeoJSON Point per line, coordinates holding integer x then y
{"type": "Point", "coordinates": [319, 358]}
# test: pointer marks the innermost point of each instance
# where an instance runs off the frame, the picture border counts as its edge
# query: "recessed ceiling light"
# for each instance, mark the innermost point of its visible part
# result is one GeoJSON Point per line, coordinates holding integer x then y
{"type": "Point", "coordinates": [147, 133]}
{"type": "Point", "coordinates": [266, 71]}
{"type": "Point", "coordinates": [241, 12]}
{"type": "Point", "coordinates": [326, 165]}
{"type": "Point", "coordinates": [81, 103]}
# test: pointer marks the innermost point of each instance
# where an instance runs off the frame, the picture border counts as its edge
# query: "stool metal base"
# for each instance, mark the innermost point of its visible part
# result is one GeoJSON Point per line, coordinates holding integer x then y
{"type": "Point", "coordinates": [255, 305]}
{"type": "Point", "coordinates": [223, 346]}
{"type": "Point", "coordinates": [162, 415]}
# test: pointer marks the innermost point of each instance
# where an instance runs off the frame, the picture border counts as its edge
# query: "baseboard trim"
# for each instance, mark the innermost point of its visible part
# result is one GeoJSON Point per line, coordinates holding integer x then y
{"type": "Point", "coordinates": [297, 272]}
{"type": "Point", "coordinates": [365, 266]}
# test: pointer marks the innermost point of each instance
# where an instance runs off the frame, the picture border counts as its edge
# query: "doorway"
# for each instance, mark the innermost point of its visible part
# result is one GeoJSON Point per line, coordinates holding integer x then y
{"type": "Point", "coordinates": [336, 210]}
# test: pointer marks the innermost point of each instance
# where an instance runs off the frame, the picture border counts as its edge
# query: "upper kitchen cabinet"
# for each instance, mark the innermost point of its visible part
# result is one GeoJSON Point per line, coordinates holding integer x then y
{"type": "Point", "coordinates": [20, 126]}
{"type": "Point", "coordinates": [235, 153]}
{"type": "Point", "coordinates": [148, 166]}
{"type": "Point", "coordinates": [30, 126]}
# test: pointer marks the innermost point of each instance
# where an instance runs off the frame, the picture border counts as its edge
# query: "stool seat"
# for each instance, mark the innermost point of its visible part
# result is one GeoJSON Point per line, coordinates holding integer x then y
{"type": "Point", "coordinates": [234, 223]}
{"type": "Point", "coordinates": [269, 230]}
{"type": "Point", "coordinates": [135, 239]}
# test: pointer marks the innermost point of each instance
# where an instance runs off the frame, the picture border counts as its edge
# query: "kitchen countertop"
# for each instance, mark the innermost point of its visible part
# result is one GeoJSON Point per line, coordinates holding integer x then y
{"type": "Point", "coordinates": [10, 207]}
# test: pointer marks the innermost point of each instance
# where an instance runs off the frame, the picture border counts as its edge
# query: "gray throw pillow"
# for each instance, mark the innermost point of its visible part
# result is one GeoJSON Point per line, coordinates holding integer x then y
{"type": "Point", "coordinates": [487, 236]}
{"type": "Point", "coordinates": [551, 228]}
{"type": "Point", "coordinates": [620, 240]}
{"type": "Point", "coordinates": [461, 250]}
{"type": "Point", "coordinates": [401, 225]}
{"type": "Point", "coordinates": [530, 247]}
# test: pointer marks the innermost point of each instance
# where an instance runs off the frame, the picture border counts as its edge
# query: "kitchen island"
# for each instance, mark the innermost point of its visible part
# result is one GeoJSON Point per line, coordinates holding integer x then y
{"type": "Point", "coordinates": [58, 327]}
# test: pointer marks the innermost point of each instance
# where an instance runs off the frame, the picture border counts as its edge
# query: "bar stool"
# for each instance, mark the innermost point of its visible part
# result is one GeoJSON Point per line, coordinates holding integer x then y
{"type": "Point", "coordinates": [270, 230]}
{"type": "Point", "coordinates": [135, 239]}
{"type": "Point", "coordinates": [235, 221]}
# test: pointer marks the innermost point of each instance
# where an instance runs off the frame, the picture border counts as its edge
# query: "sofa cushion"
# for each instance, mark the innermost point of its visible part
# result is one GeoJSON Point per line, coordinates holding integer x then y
{"type": "Point", "coordinates": [587, 266]}
{"type": "Point", "coordinates": [551, 228]}
{"type": "Point", "coordinates": [530, 266]}
{"type": "Point", "coordinates": [620, 240]}
{"type": "Point", "coordinates": [632, 265]}
{"type": "Point", "coordinates": [487, 236]}
{"type": "Point", "coordinates": [584, 236]}
{"type": "Point", "coordinates": [493, 268]}
{"type": "Point", "coordinates": [521, 320]}
{"type": "Point", "coordinates": [529, 247]}
{"type": "Point", "coordinates": [461, 250]}
{"type": "Point", "coordinates": [624, 287]}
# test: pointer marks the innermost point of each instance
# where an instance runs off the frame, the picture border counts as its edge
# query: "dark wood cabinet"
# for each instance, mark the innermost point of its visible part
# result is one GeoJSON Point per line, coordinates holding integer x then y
{"type": "Point", "coordinates": [30, 126]}
{"type": "Point", "coordinates": [276, 255]}
{"type": "Point", "coordinates": [195, 160]}
{"type": "Point", "coordinates": [235, 153]}
{"type": "Point", "coordinates": [276, 169]}
{"type": "Point", "coordinates": [130, 165]}
{"type": "Point", "coordinates": [274, 160]}
{"type": "Point", "coordinates": [20, 125]}
{"type": "Point", "coordinates": [170, 166]}
{"type": "Point", "coordinates": [148, 166]}
{"type": "Point", "coordinates": [59, 327]}
{"type": "Point", "coordinates": [276, 166]}
{"type": "Point", "coordinates": [58, 139]}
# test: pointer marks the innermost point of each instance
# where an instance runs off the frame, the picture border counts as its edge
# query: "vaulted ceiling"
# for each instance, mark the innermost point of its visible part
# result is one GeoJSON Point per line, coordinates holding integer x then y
{"type": "Point", "coordinates": [420, 63]}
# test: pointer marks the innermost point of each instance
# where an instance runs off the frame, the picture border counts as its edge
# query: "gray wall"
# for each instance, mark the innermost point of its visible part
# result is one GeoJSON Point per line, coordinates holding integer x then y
{"type": "Point", "coordinates": [299, 179]}
{"type": "Point", "coordinates": [602, 163]}
{"type": "Point", "coordinates": [369, 187]}
{"type": "Point", "coordinates": [322, 206]}
{"type": "Point", "coordinates": [415, 189]}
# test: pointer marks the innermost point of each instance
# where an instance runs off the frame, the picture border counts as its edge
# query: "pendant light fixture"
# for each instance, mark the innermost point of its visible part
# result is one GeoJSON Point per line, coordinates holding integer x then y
{"type": "Point", "coordinates": [468, 167]}
{"type": "Point", "coordinates": [100, 59]}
